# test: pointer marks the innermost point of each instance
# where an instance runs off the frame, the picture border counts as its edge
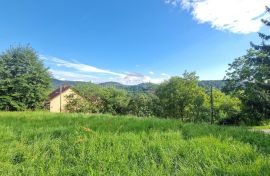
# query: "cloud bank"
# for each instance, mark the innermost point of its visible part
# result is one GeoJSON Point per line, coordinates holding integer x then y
{"type": "Point", "coordinates": [237, 16]}
{"type": "Point", "coordinates": [69, 70]}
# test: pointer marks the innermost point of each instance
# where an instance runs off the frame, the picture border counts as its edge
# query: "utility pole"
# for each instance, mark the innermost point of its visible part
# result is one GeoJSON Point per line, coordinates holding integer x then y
{"type": "Point", "coordinates": [211, 105]}
{"type": "Point", "coordinates": [60, 98]}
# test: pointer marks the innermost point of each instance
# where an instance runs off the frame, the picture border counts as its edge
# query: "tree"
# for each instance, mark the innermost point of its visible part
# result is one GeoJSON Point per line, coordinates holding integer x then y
{"type": "Point", "coordinates": [248, 78]}
{"type": "Point", "coordinates": [142, 104]}
{"type": "Point", "coordinates": [181, 97]}
{"type": "Point", "coordinates": [24, 81]}
{"type": "Point", "coordinates": [116, 100]}
{"type": "Point", "coordinates": [225, 106]}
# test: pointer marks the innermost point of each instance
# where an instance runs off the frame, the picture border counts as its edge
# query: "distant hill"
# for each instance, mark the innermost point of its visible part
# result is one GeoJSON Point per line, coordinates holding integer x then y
{"type": "Point", "coordinates": [219, 84]}
{"type": "Point", "coordinates": [143, 87]}
{"type": "Point", "coordinates": [56, 83]}
{"type": "Point", "coordinates": [113, 84]}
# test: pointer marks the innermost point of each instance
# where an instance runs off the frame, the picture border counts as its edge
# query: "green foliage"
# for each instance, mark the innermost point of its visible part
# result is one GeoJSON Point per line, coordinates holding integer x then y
{"type": "Point", "coordinates": [218, 84]}
{"type": "Point", "coordinates": [116, 100]}
{"type": "Point", "coordinates": [39, 143]}
{"type": "Point", "coordinates": [143, 105]}
{"type": "Point", "coordinates": [79, 104]}
{"type": "Point", "coordinates": [249, 78]}
{"type": "Point", "coordinates": [181, 97]}
{"type": "Point", "coordinates": [140, 88]}
{"type": "Point", "coordinates": [96, 99]}
{"type": "Point", "coordinates": [225, 106]}
{"type": "Point", "coordinates": [90, 99]}
{"type": "Point", "coordinates": [24, 82]}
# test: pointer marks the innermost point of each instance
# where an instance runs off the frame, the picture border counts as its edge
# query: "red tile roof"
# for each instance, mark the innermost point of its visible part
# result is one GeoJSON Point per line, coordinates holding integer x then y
{"type": "Point", "coordinates": [56, 92]}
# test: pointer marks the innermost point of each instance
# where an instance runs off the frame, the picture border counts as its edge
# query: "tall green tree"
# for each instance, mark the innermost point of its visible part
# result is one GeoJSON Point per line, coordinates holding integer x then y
{"type": "Point", "coordinates": [24, 81]}
{"type": "Point", "coordinates": [181, 97]}
{"type": "Point", "coordinates": [248, 77]}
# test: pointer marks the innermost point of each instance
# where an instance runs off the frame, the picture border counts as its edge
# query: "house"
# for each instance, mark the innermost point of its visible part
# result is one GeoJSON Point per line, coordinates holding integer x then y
{"type": "Point", "coordinates": [58, 98]}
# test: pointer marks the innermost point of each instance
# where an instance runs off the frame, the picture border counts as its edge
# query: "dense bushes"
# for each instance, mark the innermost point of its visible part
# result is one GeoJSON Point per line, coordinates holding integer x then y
{"type": "Point", "coordinates": [142, 104]}
{"type": "Point", "coordinates": [96, 99]}
{"type": "Point", "coordinates": [179, 97]}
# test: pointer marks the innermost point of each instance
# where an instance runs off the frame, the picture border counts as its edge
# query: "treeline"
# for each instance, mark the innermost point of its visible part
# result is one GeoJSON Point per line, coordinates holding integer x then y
{"type": "Point", "coordinates": [143, 87]}
{"type": "Point", "coordinates": [179, 97]}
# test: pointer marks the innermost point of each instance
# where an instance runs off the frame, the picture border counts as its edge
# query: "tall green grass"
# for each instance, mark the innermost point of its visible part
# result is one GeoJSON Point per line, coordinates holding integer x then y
{"type": "Point", "coordinates": [40, 143]}
{"type": "Point", "coordinates": [257, 139]}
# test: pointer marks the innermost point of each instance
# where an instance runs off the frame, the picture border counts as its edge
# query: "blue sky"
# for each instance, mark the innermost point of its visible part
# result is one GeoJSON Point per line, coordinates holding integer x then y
{"type": "Point", "coordinates": [133, 41]}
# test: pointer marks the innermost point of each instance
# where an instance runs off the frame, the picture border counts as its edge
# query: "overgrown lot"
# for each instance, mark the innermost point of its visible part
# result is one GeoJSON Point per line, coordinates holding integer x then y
{"type": "Point", "coordinates": [40, 143]}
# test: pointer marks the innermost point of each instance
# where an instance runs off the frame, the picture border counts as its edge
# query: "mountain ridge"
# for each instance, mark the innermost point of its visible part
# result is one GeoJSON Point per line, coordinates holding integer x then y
{"type": "Point", "coordinates": [142, 87]}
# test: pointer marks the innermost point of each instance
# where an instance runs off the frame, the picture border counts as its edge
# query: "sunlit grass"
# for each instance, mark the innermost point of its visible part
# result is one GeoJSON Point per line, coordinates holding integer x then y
{"type": "Point", "coordinates": [262, 127]}
{"type": "Point", "coordinates": [41, 143]}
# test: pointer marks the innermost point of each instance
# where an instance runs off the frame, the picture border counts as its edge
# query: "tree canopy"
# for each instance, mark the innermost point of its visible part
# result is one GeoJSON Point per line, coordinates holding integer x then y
{"type": "Point", "coordinates": [248, 78]}
{"type": "Point", "coordinates": [24, 81]}
{"type": "Point", "coordinates": [177, 94]}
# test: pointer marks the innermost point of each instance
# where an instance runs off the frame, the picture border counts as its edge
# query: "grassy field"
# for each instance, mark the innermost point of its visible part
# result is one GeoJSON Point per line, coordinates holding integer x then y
{"type": "Point", "coordinates": [42, 143]}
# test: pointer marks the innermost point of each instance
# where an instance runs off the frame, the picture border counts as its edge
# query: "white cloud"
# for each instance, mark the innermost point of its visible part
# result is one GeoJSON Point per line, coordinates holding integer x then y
{"type": "Point", "coordinates": [71, 76]}
{"type": "Point", "coordinates": [157, 80]}
{"type": "Point", "coordinates": [82, 72]}
{"type": "Point", "coordinates": [173, 2]}
{"type": "Point", "coordinates": [165, 74]}
{"type": "Point", "coordinates": [237, 16]}
{"type": "Point", "coordinates": [78, 66]}
{"type": "Point", "coordinates": [151, 73]}
{"type": "Point", "coordinates": [137, 78]}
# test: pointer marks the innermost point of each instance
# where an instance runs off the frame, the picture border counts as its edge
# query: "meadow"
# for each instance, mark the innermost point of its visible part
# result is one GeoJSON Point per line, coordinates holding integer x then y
{"type": "Point", "coordinates": [42, 143]}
